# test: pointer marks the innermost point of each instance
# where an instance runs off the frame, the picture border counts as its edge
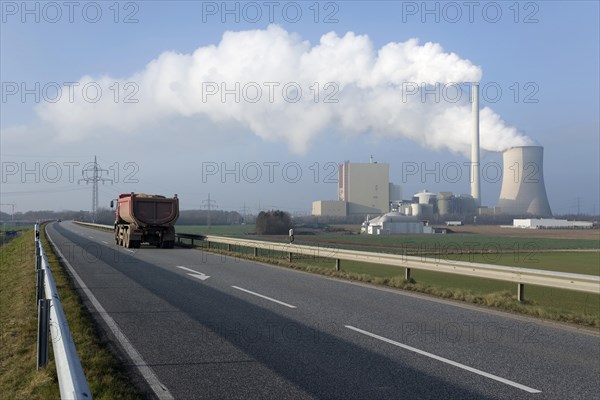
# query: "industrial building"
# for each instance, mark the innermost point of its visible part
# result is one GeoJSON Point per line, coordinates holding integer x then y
{"type": "Point", "coordinates": [550, 223]}
{"type": "Point", "coordinates": [363, 188]}
{"type": "Point", "coordinates": [394, 222]}
{"type": "Point", "coordinates": [330, 208]}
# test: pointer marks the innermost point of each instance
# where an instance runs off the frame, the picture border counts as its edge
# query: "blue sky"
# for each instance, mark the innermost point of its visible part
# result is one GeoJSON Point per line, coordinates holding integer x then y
{"type": "Point", "coordinates": [549, 51]}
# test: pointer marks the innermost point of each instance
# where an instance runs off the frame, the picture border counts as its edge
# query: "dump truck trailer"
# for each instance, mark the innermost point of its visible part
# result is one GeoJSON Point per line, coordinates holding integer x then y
{"type": "Point", "coordinates": [145, 218]}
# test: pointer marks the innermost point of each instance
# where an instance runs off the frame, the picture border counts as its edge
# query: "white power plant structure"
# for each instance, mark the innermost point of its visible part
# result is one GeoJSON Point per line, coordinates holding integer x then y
{"type": "Point", "coordinates": [475, 183]}
{"type": "Point", "coordinates": [523, 190]}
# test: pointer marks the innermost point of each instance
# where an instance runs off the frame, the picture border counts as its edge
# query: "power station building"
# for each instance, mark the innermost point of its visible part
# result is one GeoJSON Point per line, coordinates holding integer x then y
{"type": "Point", "coordinates": [394, 222]}
{"type": "Point", "coordinates": [363, 188]}
{"type": "Point", "coordinates": [366, 189]}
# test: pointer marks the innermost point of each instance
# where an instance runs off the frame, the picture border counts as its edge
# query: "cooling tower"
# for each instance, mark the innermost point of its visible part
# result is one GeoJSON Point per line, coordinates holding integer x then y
{"type": "Point", "coordinates": [523, 190]}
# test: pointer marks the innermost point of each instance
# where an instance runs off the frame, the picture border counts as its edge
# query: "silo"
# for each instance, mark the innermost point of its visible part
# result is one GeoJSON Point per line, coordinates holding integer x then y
{"type": "Point", "coordinates": [523, 189]}
{"type": "Point", "coordinates": [443, 203]}
{"type": "Point", "coordinates": [425, 197]}
{"type": "Point", "coordinates": [416, 209]}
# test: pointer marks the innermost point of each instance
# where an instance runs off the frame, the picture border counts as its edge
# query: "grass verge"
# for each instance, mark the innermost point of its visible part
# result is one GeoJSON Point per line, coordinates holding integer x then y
{"type": "Point", "coordinates": [553, 304]}
{"type": "Point", "coordinates": [19, 378]}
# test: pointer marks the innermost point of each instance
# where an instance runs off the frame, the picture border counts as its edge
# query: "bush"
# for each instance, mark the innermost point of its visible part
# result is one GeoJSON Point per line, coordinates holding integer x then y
{"type": "Point", "coordinates": [273, 223]}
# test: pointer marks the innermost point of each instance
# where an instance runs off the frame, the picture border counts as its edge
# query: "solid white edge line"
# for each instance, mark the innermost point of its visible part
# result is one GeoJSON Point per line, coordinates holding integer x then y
{"type": "Point", "coordinates": [264, 297]}
{"type": "Point", "coordinates": [157, 387]}
{"type": "Point", "coordinates": [447, 361]}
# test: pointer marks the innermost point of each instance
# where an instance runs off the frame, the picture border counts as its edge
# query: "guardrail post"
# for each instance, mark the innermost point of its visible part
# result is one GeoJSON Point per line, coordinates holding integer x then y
{"type": "Point", "coordinates": [290, 257]}
{"type": "Point", "coordinates": [256, 252]}
{"type": "Point", "coordinates": [38, 257]}
{"type": "Point", "coordinates": [39, 285]}
{"type": "Point", "coordinates": [43, 331]}
{"type": "Point", "coordinates": [407, 274]}
{"type": "Point", "coordinates": [228, 247]}
{"type": "Point", "coordinates": [337, 264]}
{"type": "Point", "coordinates": [207, 244]}
{"type": "Point", "coordinates": [520, 292]}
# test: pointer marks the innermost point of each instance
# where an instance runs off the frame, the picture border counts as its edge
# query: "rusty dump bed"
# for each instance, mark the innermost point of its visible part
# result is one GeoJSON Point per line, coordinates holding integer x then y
{"type": "Point", "coordinates": [147, 210]}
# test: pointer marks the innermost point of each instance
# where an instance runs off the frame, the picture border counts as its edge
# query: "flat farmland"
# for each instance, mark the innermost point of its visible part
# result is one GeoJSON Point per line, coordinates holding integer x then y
{"type": "Point", "coordinates": [494, 230]}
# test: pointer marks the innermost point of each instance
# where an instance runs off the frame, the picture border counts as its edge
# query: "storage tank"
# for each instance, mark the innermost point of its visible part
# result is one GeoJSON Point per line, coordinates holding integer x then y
{"type": "Point", "coordinates": [444, 203]}
{"type": "Point", "coordinates": [425, 197]}
{"type": "Point", "coordinates": [523, 190]}
{"type": "Point", "coordinates": [415, 209]}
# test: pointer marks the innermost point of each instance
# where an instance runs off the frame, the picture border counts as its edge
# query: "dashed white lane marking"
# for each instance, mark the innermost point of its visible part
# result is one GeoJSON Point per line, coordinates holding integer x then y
{"type": "Point", "coordinates": [131, 251]}
{"type": "Point", "coordinates": [104, 242]}
{"type": "Point", "coordinates": [264, 297]}
{"type": "Point", "coordinates": [447, 361]}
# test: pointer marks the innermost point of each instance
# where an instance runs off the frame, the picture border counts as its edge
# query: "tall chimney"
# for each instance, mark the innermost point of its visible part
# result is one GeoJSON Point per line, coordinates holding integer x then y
{"type": "Point", "coordinates": [475, 184]}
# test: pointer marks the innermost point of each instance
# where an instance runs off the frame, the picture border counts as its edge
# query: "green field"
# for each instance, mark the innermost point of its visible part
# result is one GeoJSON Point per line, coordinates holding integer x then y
{"type": "Point", "coordinates": [401, 243]}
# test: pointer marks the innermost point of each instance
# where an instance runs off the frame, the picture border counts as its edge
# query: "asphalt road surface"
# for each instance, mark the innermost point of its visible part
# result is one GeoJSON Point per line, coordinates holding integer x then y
{"type": "Point", "coordinates": [193, 325]}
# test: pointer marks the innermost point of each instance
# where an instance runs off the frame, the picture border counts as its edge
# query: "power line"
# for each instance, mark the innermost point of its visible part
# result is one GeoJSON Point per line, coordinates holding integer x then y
{"type": "Point", "coordinates": [95, 169]}
{"type": "Point", "coordinates": [56, 190]}
{"type": "Point", "coordinates": [208, 203]}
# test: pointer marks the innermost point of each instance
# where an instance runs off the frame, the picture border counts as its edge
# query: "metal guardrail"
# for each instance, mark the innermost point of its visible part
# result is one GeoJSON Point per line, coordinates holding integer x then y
{"type": "Point", "coordinates": [520, 276]}
{"type": "Point", "coordinates": [99, 226]}
{"type": "Point", "coordinates": [51, 319]}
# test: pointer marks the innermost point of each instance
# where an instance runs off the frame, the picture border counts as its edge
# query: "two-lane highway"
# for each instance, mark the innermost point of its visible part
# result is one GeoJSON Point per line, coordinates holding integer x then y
{"type": "Point", "coordinates": [198, 325]}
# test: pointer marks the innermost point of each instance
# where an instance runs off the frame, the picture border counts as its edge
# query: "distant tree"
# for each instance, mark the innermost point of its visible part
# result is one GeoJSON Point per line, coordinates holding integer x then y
{"type": "Point", "coordinates": [273, 223]}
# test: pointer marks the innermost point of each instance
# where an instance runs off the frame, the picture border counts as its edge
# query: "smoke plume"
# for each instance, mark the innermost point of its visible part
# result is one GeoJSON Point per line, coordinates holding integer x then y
{"type": "Point", "coordinates": [282, 88]}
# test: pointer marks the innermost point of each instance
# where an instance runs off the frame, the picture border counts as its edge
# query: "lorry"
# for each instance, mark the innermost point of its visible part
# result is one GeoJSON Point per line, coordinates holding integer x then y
{"type": "Point", "coordinates": [145, 218]}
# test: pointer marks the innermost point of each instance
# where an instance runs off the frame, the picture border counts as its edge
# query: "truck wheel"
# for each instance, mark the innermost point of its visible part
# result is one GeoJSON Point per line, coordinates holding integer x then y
{"type": "Point", "coordinates": [135, 244]}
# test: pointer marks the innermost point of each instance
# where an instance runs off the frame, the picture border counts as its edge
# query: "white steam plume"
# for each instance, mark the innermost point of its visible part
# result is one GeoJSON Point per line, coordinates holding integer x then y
{"type": "Point", "coordinates": [377, 92]}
